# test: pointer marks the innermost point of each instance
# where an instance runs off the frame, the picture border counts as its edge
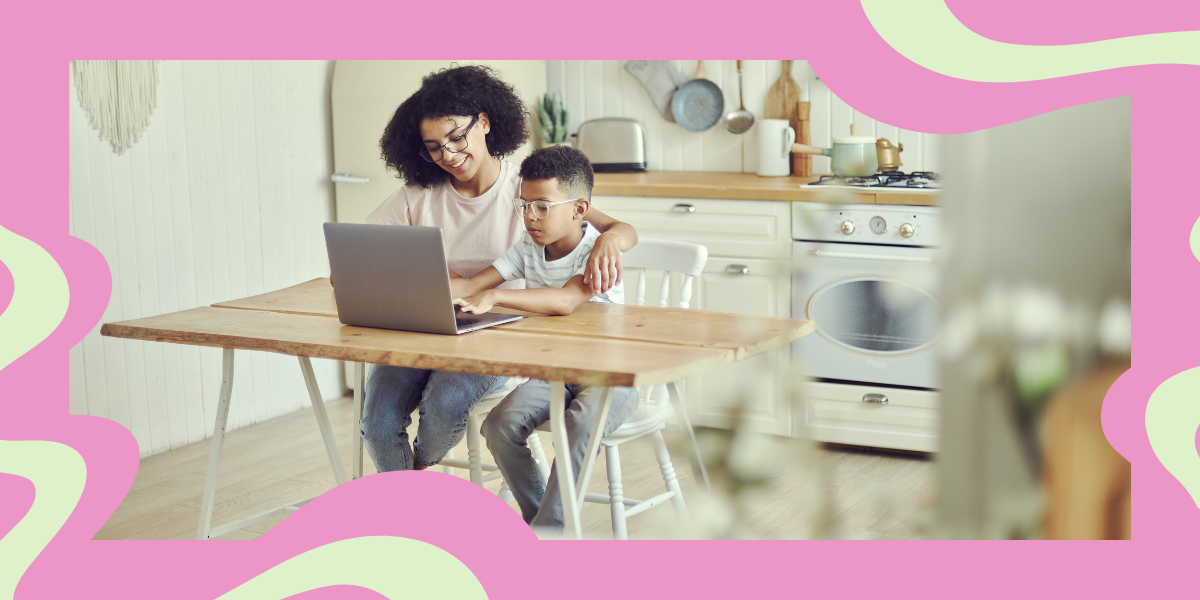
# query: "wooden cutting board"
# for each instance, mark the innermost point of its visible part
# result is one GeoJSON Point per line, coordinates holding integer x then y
{"type": "Point", "coordinates": [783, 99]}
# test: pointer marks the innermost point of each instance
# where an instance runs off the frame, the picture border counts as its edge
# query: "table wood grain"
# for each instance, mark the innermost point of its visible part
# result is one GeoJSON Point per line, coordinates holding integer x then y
{"type": "Point", "coordinates": [551, 357]}
{"type": "Point", "coordinates": [747, 336]}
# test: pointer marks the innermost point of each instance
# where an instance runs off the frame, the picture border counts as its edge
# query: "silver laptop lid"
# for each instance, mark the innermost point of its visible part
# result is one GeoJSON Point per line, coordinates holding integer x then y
{"type": "Point", "coordinates": [390, 277]}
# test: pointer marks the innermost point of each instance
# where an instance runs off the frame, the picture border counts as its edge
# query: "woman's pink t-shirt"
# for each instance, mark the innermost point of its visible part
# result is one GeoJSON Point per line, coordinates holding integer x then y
{"type": "Point", "coordinates": [475, 231]}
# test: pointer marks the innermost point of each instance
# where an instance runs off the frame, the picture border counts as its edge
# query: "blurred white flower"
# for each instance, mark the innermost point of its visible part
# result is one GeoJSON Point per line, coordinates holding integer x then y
{"type": "Point", "coordinates": [995, 310]}
{"type": "Point", "coordinates": [753, 456]}
{"type": "Point", "coordinates": [961, 331]}
{"type": "Point", "coordinates": [1114, 327]}
{"type": "Point", "coordinates": [1038, 314]}
{"type": "Point", "coordinates": [712, 515]}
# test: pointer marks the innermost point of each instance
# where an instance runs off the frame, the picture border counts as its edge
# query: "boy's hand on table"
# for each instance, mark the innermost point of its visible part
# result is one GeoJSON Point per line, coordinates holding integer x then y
{"type": "Point", "coordinates": [477, 304]}
{"type": "Point", "coordinates": [603, 264]}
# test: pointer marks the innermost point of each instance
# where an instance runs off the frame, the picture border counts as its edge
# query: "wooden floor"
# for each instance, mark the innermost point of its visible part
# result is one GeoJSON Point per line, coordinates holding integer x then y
{"type": "Point", "coordinates": [807, 491]}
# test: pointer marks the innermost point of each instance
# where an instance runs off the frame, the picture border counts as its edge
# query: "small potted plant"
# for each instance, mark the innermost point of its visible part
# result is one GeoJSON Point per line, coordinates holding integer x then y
{"type": "Point", "coordinates": [552, 116]}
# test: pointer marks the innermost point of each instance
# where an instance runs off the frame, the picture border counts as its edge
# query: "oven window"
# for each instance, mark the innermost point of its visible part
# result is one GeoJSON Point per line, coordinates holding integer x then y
{"type": "Point", "coordinates": [875, 316]}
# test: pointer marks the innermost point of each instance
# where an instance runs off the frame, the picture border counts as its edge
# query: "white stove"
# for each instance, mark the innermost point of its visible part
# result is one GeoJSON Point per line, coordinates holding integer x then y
{"type": "Point", "coordinates": [867, 276]}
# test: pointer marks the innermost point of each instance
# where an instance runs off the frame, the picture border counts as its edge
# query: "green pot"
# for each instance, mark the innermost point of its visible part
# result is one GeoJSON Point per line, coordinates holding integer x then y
{"type": "Point", "coordinates": [851, 156]}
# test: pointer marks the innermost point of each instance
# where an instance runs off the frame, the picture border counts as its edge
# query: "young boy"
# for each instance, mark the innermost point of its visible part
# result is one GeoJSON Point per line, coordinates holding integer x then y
{"type": "Point", "coordinates": [556, 189]}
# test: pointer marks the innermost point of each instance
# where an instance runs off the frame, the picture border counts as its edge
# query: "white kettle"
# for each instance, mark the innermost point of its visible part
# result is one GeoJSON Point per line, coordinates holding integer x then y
{"type": "Point", "coordinates": [775, 139]}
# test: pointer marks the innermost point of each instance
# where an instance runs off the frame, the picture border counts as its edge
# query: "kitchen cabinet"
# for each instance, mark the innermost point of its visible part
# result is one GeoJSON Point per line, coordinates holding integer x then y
{"type": "Point", "coordinates": [759, 385]}
{"type": "Point", "coordinates": [748, 272]}
{"type": "Point", "coordinates": [733, 228]}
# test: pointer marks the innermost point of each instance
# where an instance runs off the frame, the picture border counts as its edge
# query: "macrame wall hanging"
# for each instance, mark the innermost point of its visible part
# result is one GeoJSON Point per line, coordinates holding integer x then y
{"type": "Point", "coordinates": [118, 97]}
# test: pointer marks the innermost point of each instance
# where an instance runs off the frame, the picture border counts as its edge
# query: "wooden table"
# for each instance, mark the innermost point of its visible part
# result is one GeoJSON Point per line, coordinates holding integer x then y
{"type": "Point", "coordinates": [599, 344]}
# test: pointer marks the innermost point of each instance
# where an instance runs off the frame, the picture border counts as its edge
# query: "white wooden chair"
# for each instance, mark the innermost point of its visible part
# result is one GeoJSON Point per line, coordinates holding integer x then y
{"type": "Point", "coordinates": [655, 408]}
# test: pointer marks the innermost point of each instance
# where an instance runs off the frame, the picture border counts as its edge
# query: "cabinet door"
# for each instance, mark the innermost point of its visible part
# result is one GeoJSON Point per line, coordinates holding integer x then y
{"type": "Point", "coordinates": [750, 228]}
{"type": "Point", "coordinates": [759, 384]}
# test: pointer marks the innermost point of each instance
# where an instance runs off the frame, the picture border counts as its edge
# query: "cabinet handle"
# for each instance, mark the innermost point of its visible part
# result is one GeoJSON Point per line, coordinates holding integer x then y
{"type": "Point", "coordinates": [687, 208]}
{"type": "Point", "coordinates": [347, 178]}
{"type": "Point", "coordinates": [875, 398]}
{"type": "Point", "coordinates": [737, 270]}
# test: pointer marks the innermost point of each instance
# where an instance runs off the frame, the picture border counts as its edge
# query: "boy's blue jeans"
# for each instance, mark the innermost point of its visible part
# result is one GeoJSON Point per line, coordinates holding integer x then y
{"type": "Point", "coordinates": [445, 400]}
{"type": "Point", "coordinates": [514, 419]}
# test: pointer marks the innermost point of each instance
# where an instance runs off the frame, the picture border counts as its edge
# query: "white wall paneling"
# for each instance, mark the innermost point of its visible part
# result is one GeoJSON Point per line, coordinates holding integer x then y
{"type": "Point", "coordinates": [223, 197]}
{"type": "Point", "coordinates": [595, 89]}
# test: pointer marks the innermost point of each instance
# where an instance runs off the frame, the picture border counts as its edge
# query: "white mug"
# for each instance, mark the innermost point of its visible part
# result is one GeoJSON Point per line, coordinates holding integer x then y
{"type": "Point", "coordinates": [775, 139]}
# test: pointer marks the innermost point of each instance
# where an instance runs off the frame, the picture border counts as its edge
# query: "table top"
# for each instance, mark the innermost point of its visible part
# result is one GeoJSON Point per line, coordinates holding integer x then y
{"type": "Point", "coordinates": [745, 335]}
{"type": "Point", "coordinates": [599, 344]}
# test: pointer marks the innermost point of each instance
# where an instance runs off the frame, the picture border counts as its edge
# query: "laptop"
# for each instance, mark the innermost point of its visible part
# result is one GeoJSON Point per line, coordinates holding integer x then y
{"type": "Point", "coordinates": [394, 277]}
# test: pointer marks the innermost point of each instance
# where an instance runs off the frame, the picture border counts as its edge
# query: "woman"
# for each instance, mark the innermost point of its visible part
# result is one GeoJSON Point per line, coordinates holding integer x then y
{"type": "Point", "coordinates": [446, 141]}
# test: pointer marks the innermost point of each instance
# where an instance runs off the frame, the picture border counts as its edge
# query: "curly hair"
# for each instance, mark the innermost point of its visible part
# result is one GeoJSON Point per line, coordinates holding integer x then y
{"type": "Point", "coordinates": [458, 91]}
{"type": "Point", "coordinates": [569, 166]}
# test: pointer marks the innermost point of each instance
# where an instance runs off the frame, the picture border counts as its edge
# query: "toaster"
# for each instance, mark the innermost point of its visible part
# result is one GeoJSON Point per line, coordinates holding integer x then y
{"type": "Point", "coordinates": [613, 144]}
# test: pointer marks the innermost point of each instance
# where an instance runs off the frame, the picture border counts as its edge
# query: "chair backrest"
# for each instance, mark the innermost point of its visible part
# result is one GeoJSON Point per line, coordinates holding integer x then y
{"type": "Point", "coordinates": [668, 257]}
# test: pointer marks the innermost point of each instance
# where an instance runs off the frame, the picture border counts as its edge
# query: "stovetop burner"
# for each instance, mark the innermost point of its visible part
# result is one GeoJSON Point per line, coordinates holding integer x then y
{"type": "Point", "coordinates": [890, 179]}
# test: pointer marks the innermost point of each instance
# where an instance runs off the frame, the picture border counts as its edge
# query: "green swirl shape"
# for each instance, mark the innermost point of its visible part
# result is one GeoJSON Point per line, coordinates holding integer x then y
{"type": "Point", "coordinates": [1196, 239]}
{"type": "Point", "coordinates": [370, 562]}
{"type": "Point", "coordinates": [1172, 416]}
{"type": "Point", "coordinates": [39, 300]}
{"type": "Point", "coordinates": [927, 33]}
{"type": "Point", "coordinates": [58, 473]}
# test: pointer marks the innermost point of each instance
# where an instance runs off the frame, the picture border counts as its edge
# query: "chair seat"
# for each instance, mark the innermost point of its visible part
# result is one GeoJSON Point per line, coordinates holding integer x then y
{"type": "Point", "coordinates": [646, 418]}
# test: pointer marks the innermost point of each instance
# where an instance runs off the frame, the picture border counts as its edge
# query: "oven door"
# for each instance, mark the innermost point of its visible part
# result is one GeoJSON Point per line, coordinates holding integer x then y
{"type": "Point", "coordinates": [876, 311]}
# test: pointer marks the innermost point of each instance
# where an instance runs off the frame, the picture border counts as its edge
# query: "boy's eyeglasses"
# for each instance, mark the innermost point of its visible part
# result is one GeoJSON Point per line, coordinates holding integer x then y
{"type": "Point", "coordinates": [540, 208]}
{"type": "Point", "coordinates": [454, 146]}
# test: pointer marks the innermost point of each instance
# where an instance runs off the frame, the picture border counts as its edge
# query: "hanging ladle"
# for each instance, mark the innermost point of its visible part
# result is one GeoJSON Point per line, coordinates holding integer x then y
{"type": "Point", "coordinates": [740, 120]}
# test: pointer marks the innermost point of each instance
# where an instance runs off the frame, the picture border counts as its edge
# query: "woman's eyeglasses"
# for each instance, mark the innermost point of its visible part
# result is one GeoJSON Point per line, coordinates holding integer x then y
{"type": "Point", "coordinates": [454, 146]}
{"type": "Point", "coordinates": [540, 208]}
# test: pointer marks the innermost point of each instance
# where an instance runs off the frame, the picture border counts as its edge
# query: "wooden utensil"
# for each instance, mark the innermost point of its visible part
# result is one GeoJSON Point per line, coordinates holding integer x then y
{"type": "Point", "coordinates": [701, 72]}
{"type": "Point", "coordinates": [802, 163]}
{"type": "Point", "coordinates": [783, 100]}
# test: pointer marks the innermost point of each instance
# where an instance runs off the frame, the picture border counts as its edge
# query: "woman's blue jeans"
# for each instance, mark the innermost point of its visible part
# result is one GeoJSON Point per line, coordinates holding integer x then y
{"type": "Point", "coordinates": [445, 400]}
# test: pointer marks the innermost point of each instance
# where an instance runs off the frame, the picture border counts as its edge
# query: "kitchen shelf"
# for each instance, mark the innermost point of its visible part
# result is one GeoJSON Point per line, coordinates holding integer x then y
{"type": "Point", "coordinates": [745, 186]}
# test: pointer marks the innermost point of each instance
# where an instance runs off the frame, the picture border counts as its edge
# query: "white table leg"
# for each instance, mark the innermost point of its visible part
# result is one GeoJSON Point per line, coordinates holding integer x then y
{"type": "Point", "coordinates": [572, 495]}
{"type": "Point", "coordinates": [314, 394]}
{"type": "Point", "coordinates": [589, 459]}
{"type": "Point", "coordinates": [673, 393]}
{"type": "Point", "coordinates": [562, 460]}
{"type": "Point", "coordinates": [356, 442]}
{"type": "Point", "coordinates": [218, 438]}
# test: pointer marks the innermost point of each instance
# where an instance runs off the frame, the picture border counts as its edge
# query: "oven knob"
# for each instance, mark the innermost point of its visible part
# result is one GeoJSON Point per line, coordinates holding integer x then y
{"type": "Point", "coordinates": [907, 230]}
{"type": "Point", "coordinates": [847, 227]}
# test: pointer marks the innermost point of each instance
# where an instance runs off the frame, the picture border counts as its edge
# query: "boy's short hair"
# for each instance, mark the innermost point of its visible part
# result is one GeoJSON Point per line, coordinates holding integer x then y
{"type": "Point", "coordinates": [569, 166]}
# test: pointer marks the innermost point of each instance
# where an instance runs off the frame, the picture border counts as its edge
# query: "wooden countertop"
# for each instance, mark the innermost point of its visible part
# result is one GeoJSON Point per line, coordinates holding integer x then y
{"type": "Point", "coordinates": [746, 186]}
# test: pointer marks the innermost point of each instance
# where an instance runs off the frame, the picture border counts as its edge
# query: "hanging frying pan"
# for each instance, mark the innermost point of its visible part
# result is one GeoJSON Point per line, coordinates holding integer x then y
{"type": "Point", "coordinates": [699, 103]}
